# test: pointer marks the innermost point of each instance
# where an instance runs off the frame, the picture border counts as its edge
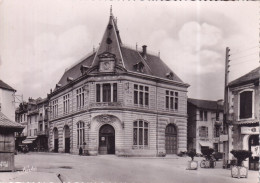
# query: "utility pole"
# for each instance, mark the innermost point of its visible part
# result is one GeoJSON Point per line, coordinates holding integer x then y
{"type": "Point", "coordinates": [226, 109]}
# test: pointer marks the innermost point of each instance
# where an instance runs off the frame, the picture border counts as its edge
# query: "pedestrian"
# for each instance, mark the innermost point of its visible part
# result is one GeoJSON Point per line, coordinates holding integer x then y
{"type": "Point", "coordinates": [80, 151]}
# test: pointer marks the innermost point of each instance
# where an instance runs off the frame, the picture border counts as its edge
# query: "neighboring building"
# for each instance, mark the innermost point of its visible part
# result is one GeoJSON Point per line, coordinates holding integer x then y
{"type": "Point", "coordinates": [34, 115]}
{"type": "Point", "coordinates": [7, 142]}
{"type": "Point", "coordinates": [7, 100]}
{"type": "Point", "coordinates": [119, 101]}
{"type": "Point", "coordinates": [244, 111]}
{"type": "Point", "coordinates": [21, 118]}
{"type": "Point", "coordinates": [205, 122]}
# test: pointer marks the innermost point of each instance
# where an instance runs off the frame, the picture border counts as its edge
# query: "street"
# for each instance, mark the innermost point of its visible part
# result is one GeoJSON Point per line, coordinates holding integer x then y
{"type": "Point", "coordinates": [110, 168]}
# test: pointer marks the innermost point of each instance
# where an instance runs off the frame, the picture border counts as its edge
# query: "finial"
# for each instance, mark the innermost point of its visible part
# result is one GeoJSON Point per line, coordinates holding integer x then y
{"type": "Point", "coordinates": [159, 54]}
{"type": "Point", "coordinates": [110, 10]}
{"type": "Point", "coordinates": [94, 49]}
{"type": "Point", "coordinates": [136, 46]}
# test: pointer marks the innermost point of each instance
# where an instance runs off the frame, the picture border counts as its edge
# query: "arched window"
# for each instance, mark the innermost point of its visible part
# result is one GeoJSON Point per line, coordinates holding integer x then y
{"type": "Point", "coordinates": [140, 134]}
{"type": "Point", "coordinates": [80, 133]}
{"type": "Point", "coordinates": [203, 131]}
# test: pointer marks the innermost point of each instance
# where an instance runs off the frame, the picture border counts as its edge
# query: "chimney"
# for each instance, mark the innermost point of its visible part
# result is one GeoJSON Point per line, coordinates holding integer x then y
{"type": "Point", "coordinates": [144, 51]}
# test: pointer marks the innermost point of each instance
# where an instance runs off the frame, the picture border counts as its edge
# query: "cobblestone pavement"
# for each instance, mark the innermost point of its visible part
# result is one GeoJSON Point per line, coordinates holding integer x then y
{"type": "Point", "coordinates": [109, 168]}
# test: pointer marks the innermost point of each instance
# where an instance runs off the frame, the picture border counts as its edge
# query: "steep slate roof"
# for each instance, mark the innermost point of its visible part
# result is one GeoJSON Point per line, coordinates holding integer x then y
{"type": "Point", "coordinates": [205, 104]}
{"type": "Point", "coordinates": [6, 86]}
{"type": "Point", "coordinates": [7, 123]}
{"type": "Point", "coordinates": [125, 58]}
{"type": "Point", "coordinates": [252, 76]}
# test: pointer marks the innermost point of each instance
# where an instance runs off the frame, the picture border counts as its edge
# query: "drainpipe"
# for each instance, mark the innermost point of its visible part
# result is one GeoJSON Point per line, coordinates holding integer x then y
{"type": "Point", "coordinates": [156, 120]}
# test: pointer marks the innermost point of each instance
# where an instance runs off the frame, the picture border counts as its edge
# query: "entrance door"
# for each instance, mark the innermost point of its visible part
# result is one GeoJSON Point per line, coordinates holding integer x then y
{"type": "Point", "coordinates": [56, 140]}
{"type": "Point", "coordinates": [171, 139]}
{"type": "Point", "coordinates": [67, 139]}
{"type": "Point", "coordinates": [254, 147]}
{"type": "Point", "coordinates": [106, 140]}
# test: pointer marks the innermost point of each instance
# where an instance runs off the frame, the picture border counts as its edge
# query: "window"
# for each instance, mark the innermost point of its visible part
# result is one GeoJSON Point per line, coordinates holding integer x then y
{"type": "Point", "coordinates": [35, 132]}
{"type": "Point", "coordinates": [203, 115]}
{"type": "Point", "coordinates": [217, 116]}
{"type": "Point", "coordinates": [24, 117]}
{"type": "Point", "coordinates": [80, 98]}
{"type": "Point", "coordinates": [141, 95]}
{"type": "Point", "coordinates": [66, 103]}
{"type": "Point", "coordinates": [140, 134]}
{"type": "Point", "coordinates": [106, 92]}
{"type": "Point", "coordinates": [55, 108]}
{"type": "Point", "coordinates": [203, 131]}
{"type": "Point", "coordinates": [217, 131]}
{"type": "Point", "coordinates": [246, 104]}
{"type": "Point", "coordinates": [80, 133]}
{"type": "Point", "coordinates": [171, 100]}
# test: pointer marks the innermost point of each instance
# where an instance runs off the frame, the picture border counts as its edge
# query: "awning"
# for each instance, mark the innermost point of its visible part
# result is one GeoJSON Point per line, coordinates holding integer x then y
{"type": "Point", "coordinates": [205, 143]}
{"type": "Point", "coordinates": [29, 140]}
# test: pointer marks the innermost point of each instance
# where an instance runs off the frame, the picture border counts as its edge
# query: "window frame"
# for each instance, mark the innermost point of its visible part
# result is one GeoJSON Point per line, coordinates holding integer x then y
{"type": "Point", "coordinates": [66, 103]}
{"type": "Point", "coordinates": [145, 132]}
{"type": "Point", "coordinates": [111, 92]}
{"type": "Point", "coordinates": [80, 133]}
{"type": "Point", "coordinates": [206, 131]}
{"type": "Point", "coordinates": [171, 100]}
{"type": "Point", "coordinates": [253, 104]}
{"type": "Point", "coordinates": [141, 95]}
{"type": "Point", "coordinates": [80, 98]}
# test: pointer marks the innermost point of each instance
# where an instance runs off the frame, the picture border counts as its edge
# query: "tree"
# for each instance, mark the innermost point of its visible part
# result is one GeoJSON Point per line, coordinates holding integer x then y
{"type": "Point", "coordinates": [241, 155]}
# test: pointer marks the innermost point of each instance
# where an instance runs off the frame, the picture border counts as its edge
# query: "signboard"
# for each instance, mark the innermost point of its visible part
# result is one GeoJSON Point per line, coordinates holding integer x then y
{"type": "Point", "coordinates": [255, 151]}
{"type": "Point", "coordinates": [223, 138]}
{"type": "Point", "coordinates": [6, 162]}
{"type": "Point", "coordinates": [250, 130]}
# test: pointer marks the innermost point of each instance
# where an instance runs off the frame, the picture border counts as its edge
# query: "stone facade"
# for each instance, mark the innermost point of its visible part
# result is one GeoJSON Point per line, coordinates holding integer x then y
{"type": "Point", "coordinates": [244, 114]}
{"type": "Point", "coordinates": [105, 91]}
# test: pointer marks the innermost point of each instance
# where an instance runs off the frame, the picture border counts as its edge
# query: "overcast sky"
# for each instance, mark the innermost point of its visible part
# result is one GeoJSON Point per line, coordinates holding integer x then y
{"type": "Point", "coordinates": [40, 39]}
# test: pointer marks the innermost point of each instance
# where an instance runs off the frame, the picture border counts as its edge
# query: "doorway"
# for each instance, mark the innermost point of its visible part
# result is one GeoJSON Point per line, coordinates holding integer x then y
{"type": "Point", "coordinates": [56, 139]}
{"type": "Point", "coordinates": [67, 139]}
{"type": "Point", "coordinates": [254, 148]}
{"type": "Point", "coordinates": [171, 139]}
{"type": "Point", "coordinates": [106, 140]}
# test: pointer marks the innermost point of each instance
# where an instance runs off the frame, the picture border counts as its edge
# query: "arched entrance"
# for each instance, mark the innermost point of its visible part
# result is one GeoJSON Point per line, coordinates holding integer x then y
{"type": "Point", "coordinates": [253, 144]}
{"type": "Point", "coordinates": [67, 139]}
{"type": "Point", "coordinates": [56, 139]}
{"type": "Point", "coordinates": [106, 140]}
{"type": "Point", "coordinates": [171, 139]}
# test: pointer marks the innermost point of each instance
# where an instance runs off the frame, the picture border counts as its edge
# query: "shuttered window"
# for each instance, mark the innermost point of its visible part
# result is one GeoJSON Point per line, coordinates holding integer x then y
{"type": "Point", "coordinates": [246, 102]}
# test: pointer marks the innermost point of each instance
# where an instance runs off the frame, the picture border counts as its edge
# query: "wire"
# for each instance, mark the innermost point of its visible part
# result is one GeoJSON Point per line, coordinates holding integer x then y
{"type": "Point", "coordinates": [243, 62]}
{"type": "Point", "coordinates": [254, 53]}
{"type": "Point", "coordinates": [237, 51]}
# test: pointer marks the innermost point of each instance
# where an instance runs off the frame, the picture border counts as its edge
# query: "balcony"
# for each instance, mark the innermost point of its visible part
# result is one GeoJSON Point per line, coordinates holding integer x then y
{"type": "Point", "coordinates": [40, 119]}
{"type": "Point", "coordinates": [105, 104]}
{"type": "Point", "coordinates": [43, 132]}
{"type": "Point", "coordinates": [35, 111]}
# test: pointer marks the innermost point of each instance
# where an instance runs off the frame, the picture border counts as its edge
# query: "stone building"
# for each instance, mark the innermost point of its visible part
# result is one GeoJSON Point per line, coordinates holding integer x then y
{"type": "Point", "coordinates": [34, 116]}
{"type": "Point", "coordinates": [119, 101]}
{"type": "Point", "coordinates": [7, 100]}
{"type": "Point", "coordinates": [244, 111]}
{"type": "Point", "coordinates": [205, 124]}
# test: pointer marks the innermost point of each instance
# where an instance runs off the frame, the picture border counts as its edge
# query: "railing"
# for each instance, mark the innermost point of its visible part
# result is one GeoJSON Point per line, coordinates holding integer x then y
{"type": "Point", "coordinates": [106, 104]}
{"type": "Point", "coordinates": [43, 132]}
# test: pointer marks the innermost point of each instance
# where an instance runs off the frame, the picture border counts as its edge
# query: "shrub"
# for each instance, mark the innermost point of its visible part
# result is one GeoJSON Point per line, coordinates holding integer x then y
{"type": "Point", "coordinates": [207, 153]}
{"type": "Point", "coordinates": [192, 153]}
{"type": "Point", "coordinates": [218, 155]}
{"type": "Point", "coordinates": [241, 155]}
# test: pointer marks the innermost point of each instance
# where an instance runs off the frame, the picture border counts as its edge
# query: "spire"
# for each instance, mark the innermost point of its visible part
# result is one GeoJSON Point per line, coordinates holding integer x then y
{"type": "Point", "coordinates": [110, 42]}
{"type": "Point", "coordinates": [111, 14]}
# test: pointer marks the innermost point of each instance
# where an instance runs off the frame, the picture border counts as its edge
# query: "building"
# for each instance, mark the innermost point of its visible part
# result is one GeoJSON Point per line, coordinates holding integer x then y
{"type": "Point", "coordinates": [244, 117]}
{"type": "Point", "coordinates": [7, 142]}
{"type": "Point", "coordinates": [34, 115]}
{"type": "Point", "coordinates": [119, 101]}
{"type": "Point", "coordinates": [205, 124]}
{"type": "Point", "coordinates": [7, 100]}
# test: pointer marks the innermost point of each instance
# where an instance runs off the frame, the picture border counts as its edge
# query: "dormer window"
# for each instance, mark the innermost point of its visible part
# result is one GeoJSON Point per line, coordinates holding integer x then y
{"type": "Point", "coordinates": [139, 67]}
{"type": "Point", "coordinates": [58, 85]}
{"type": "Point", "coordinates": [83, 69]}
{"type": "Point", "coordinates": [169, 75]}
{"type": "Point", "coordinates": [69, 79]}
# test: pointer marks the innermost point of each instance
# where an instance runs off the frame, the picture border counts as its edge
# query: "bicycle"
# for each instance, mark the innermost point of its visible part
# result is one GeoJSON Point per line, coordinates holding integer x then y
{"type": "Point", "coordinates": [208, 163]}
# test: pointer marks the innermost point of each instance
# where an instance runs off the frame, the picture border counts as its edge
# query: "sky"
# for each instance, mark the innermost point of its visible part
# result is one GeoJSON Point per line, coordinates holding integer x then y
{"type": "Point", "coordinates": [40, 39]}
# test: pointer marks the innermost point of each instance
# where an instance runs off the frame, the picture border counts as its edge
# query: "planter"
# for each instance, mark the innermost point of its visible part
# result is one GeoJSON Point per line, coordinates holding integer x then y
{"type": "Point", "coordinates": [239, 171]}
{"type": "Point", "coordinates": [192, 165]}
{"type": "Point", "coordinates": [207, 164]}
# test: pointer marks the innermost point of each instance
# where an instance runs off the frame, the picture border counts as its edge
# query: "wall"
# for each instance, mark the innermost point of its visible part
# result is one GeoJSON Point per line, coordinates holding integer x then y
{"type": "Point", "coordinates": [7, 103]}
